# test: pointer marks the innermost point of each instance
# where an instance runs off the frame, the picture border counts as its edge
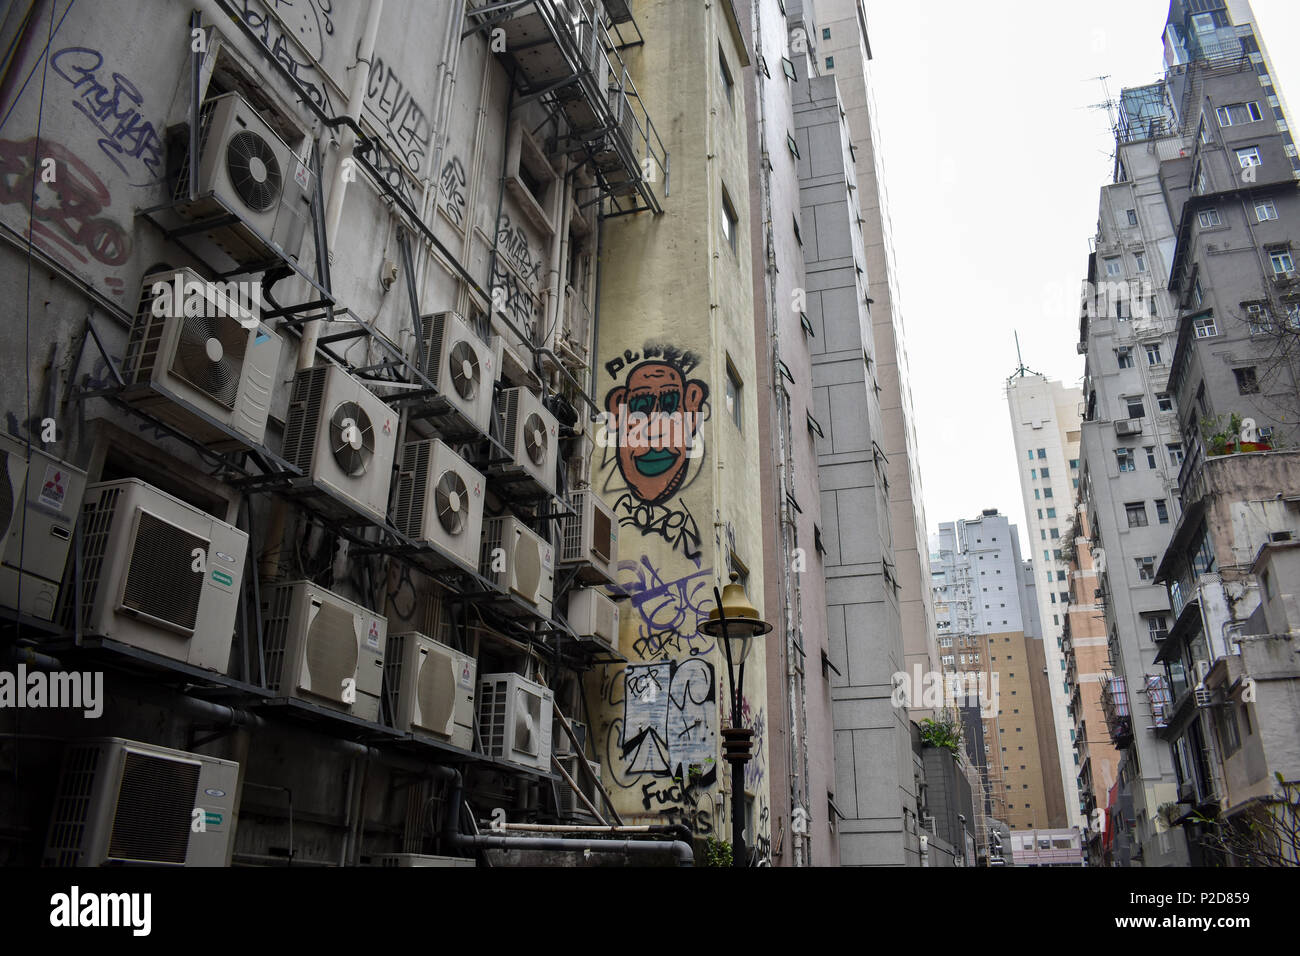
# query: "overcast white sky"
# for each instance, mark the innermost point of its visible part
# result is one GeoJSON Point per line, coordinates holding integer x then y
{"type": "Point", "coordinates": [993, 166]}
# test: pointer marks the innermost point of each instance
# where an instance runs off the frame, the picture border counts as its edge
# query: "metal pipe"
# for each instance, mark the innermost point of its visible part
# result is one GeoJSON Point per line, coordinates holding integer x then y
{"type": "Point", "coordinates": [681, 850]}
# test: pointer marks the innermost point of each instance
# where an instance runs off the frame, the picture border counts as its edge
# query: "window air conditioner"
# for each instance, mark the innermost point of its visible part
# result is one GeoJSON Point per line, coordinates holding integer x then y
{"type": "Point", "coordinates": [323, 648]}
{"type": "Point", "coordinates": [431, 688]}
{"type": "Point", "coordinates": [123, 802]}
{"type": "Point", "coordinates": [514, 720]}
{"type": "Point", "coordinates": [159, 574]}
{"type": "Point", "coordinates": [39, 501]}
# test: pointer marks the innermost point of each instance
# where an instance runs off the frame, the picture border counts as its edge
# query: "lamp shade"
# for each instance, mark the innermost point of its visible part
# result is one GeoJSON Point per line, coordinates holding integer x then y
{"type": "Point", "coordinates": [742, 621]}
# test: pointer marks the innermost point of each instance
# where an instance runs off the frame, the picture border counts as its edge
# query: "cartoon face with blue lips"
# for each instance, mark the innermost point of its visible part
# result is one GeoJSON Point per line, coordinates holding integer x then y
{"type": "Point", "coordinates": [653, 452]}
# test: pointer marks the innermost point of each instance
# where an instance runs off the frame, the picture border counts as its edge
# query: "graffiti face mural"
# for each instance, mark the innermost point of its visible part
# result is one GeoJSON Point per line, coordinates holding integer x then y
{"type": "Point", "coordinates": [657, 414]}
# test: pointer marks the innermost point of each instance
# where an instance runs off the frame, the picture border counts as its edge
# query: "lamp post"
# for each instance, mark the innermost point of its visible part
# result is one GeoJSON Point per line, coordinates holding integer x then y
{"type": "Point", "coordinates": [734, 619]}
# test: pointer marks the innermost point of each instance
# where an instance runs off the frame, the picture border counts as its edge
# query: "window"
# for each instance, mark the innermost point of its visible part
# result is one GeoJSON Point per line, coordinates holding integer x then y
{"type": "Point", "coordinates": [1140, 261]}
{"type": "Point", "coordinates": [734, 389]}
{"type": "Point", "coordinates": [1055, 532]}
{"type": "Point", "coordinates": [794, 149]}
{"type": "Point", "coordinates": [1042, 453]}
{"type": "Point", "coordinates": [1164, 402]}
{"type": "Point", "coordinates": [1134, 407]}
{"type": "Point", "coordinates": [1239, 113]}
{"type": "Point", "coordinates": [830, 63]}
{"type": "Point", "coordinates": [815, 427]}
{"type": "Point", "coordinates": [1056, 556]}
{"type": "Point", "coordinates": [1125, 357]}
{"type": "Point", "coordinates": [1151, 455]}
{"type": "Point", "coordinates": [1246, 381]}
{"type": "Point", "coordinates": [1043, 473]}
{"type": "Point", "coordinates": [784, 372]}
{"type": "Point", "coordinates": [1132, 217]}
{"type": "Point", "coordinates": [1162, 512]}
{"type": "Point", "coordinates": [807, 324]}
{"type": "Point", "coordinates": [1060, 575]}
{"type": "Point", "coordinates": [1293, 316]}
{"type": "Point", "coordinates": [788, 67]}
{"type": "Point", "coordinates": [1031, 454]}
{"type": "Point", "coordinates": [1033, 474]}
{"type": "Point", "coordinates": [1204, 327]}
{"type": "Point", "coordinates": [1258, 317]}
{"type": "Point", "coordinates": [1074, 463]}
{"type": "Point", "coordinates": [1051, 513]}
{"type": "Point", "coordinates": [1265, 210]}
{"type": "Point", "coordinates": [1137, 514]}
{"type": "Point", "coordinates": [1042, 532]}
{"type": "Point", "coordinates": [1249, 157]}
{"type": "Point", "coordinates": [1125, 458]}
{"type": "Point", "coordinates": [728, 84]}
{"type": "Point", "coordinates": [1175, 454]}
{"type": "Point", "coordinates": [1157, 627]}
{"type": "Point", "coordinates": [1282, 261]}
{"type": "Point", "coordinates": [1199, 183]}
{"type": "Point", "coordinates": [1209, 218]}
{"type": "Point", "coordinates": [1113, 267]}
{"type": "Point", "coordinates": [798, 236]}
{"type": "Point", "coordinates": [1153, 354]}
{"type": "Point", "coordinates": [1198, 294]}
{"type": "Point", "coordinates": [1047, 492]}
{"type": "Point", "coordinates": [826, 34]}
{"type": "Point", "coordinates": [729, 220]}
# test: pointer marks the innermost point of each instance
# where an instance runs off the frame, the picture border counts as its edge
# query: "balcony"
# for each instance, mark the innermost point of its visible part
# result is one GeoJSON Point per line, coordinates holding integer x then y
{"type": "Point", "coordinates": [1115, 706]}
{"type": "Point", "coordinates": [563, 56]}
{"type": "Point", "coordinates": [1160, 697]}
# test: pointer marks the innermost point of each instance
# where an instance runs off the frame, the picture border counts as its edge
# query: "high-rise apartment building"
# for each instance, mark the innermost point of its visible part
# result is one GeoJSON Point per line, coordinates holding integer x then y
{"type": "Point", "coordinates": [1045, 417]}
{"type": "Point", "coordinates": [989, 640]}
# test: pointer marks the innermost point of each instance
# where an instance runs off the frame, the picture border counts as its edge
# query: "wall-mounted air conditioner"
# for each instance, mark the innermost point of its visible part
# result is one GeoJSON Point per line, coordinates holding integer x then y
{"type": "Point", "coordinates": [589, 539]}
{"type": "Point", "coordinates": [563, 745]}
{"type": "Point", "coordinates": [593, 615]}
{"type": "Point", "coordinates": [253, 173]}
{"type": "Point", "coordinates": [519, 561]}
{"type": "Point", "coordinates": [531, 435]}
{"type": "Point", "coordinates": [160, 574]}
{"type": "Point", "coordinates": [323, 648]}
{"type": "Point", "coordinates": [570, 805]}
{"type": "Point", "coordinates": [440, 501]}
{"type": "Point", "coordinates": [40, 499]}
{"type": "Point", "coordinates": [121, 802]}
{"type": "Point", "coordinates": [343, 438]}
{"type": "Point", "coordinates": [420, 859]}
{"type": "Point", "coordinates": [1128, 426]}
{"type": "Point", "coordinates": [463, 368]}
{"type": "Point", "coordinates": [514, 720]}
{"type": "Point", "coordinates": [432, 688]}
{"type": "Point", "coordinates": [221, 362]}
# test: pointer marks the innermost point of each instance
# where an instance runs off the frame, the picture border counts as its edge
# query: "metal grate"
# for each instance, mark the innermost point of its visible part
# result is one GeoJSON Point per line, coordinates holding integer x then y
{"type": "Point", "coordinates": [182, 185]}
{"type": "Point", "coordinates": [159, 581]}
{"type": "Point", "coordinates": [510, 439]}
{"type": "Point", "coordinates": [7, 494]}
{"type": "Point", "coordinates": [301, 424]}
{"type": "Point", "coordinates": [492, 531]}
{"type": "Point", "coordinates": [146, 334]}
{"type": "Point", "coordinates": [412, 489]}
{"type": "Point", "coordinates": [492, 729]}
{"type": "Point", "coordinates": [72, 806]}
{"type": "Point", "coordinates": [97, 524]}
{"type": "Point", "coordinates": [155, 806]}
{"type": "Point", "coordinates": [433, 354]}
{"type": "Point", "coordinates": [394, 661]}
{"type": "Point", "coordinates": [276, 606]}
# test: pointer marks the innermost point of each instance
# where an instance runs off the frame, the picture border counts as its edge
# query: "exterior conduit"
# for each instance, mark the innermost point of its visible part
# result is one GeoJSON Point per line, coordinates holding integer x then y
{"type": "Point", "coordinates": [453, 838]}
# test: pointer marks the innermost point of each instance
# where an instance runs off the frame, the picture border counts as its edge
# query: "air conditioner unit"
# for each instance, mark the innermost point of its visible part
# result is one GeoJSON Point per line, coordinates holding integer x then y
{"type": "Point", "coordinates": [589, 539]}
{"type": "Point", "coordinates": [514, 720]}
{"type": "Point", "coordinates": [1128, 426]}
{"type": "Point", "coordinates": [563, 745]}
{"type": "Point", "coordinates": [222, 363]}
{"type": "Point", "coordinates": [570, 805]}
{"type": "Point", "coordinates": [40, 498]}
{"type": "Point", "coordinates": [420, 859]}
{"type": "Point", "coordinates": [440, 501]}
{"type": "Point", "coordinates": [431, 688]}
{"type": "Point", "coordinates": [343, 438]}
{"type": "Point", "coordinates": [518, 561]}
{"type": "Point", "coordinates": [464, 370]}
{"type": "Point", "coordinates": [531, 436]}
{"type": "Point", "coordinates": [121, 802]}
{"type": "Point", "coordinates": [323, 648]}
{"type": "Point", "coordinates": [159, 574]}
{"type": "Point", "coordinates": [1204, 698]}
{"type": "Point", "coordinates": [593, 615]}
{"type": "Point", "coordinates": [244, 167]}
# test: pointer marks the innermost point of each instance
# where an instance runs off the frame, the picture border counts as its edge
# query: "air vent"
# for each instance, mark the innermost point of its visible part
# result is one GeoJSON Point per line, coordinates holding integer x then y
{"type": "Point", "coordinates": [153, 588]}
{"type": "Point", "coordinates": [331, 654]}
{"type": "Point", "coordinates": [155, 808]}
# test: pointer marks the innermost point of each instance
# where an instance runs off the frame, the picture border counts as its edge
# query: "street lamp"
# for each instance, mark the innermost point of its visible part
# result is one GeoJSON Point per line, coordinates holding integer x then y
{"type": "Point", "coordinates": [736, 621]}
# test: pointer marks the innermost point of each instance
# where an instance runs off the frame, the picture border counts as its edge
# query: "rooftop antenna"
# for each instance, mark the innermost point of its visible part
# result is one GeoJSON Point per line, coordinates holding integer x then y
{"type": "Point", "coordinates": [1110, 104]}
{"type": "Point", "coordinates": [1021, 369]}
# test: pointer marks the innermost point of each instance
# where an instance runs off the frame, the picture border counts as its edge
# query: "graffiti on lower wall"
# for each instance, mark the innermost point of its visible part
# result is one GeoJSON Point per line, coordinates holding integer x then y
{"type": "Point", "coordinates": [667, 614]}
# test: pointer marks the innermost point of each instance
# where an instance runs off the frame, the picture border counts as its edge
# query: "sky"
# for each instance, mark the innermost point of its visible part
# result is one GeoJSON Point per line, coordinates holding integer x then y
{"type": "Point", "coordinates": [993, 163]}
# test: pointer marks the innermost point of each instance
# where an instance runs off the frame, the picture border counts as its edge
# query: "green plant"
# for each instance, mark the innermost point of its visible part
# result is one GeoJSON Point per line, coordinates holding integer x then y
{"type": "Point", "coordinates": [1221, 440]}
{"type": "Point", "coordinates": [717, 853]}
{"type": "Point", "coordinates": [944, 732]}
